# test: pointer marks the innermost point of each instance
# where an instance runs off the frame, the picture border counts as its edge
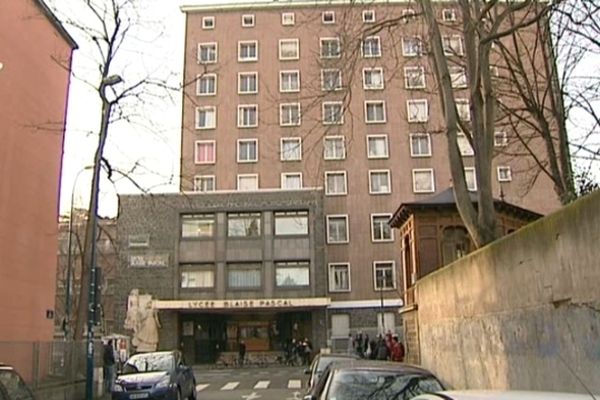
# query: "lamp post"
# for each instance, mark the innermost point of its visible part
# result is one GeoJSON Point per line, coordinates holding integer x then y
{"type": "Point", "coordinates": [90, 237]}
{"type": "Point", "coordinates": [381, 283]}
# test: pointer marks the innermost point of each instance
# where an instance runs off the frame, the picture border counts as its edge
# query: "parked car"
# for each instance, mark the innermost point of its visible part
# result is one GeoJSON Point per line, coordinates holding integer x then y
{"type": "Point", "coordinates": [158, 375]}
{"type": "Point", "coordinates": [373, 380]}
{"type": "Point", "coordinates": [502, 395]}
{"type": "Point", "coordinates": [12, 386]}
{"type": "Point", "coordinates": [321, 361]}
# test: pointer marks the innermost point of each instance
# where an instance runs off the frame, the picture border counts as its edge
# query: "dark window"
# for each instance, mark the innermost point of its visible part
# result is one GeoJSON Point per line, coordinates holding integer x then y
{"type": "Point", "coordinates": [455, 244]}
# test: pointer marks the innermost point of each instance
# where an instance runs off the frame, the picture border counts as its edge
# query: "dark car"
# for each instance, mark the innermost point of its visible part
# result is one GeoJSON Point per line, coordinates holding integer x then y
{"type": "Point", "coordinates": [12, 386]}
{"type": "Point", "coordinates": [321, 362]}
{"type": "Point", "coordinates": [373, 380]}
{"type": "Point", "coordinates": [158, 375]}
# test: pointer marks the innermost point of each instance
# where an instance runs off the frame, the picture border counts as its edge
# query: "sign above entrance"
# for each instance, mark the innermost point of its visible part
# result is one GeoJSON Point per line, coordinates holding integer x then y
{"type": "Point", "coordinates": [241, 304]}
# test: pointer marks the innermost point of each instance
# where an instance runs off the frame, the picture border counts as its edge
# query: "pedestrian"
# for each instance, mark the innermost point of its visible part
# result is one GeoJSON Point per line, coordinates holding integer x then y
{"type": "Point", "coordinates": [242, 352]}
{"type": "Point", "coordinates": [397, 353]}
{"type": "Point", "coordinates": [108, 367]}
{"type": "Point", "coordinates": [373, 346]}
{"type": "Point", "coordinates": [359, 344]}
{"type": "Point", "coordinates": [307, 351]}
{"type": "Point", "coordinates": [382, 350]}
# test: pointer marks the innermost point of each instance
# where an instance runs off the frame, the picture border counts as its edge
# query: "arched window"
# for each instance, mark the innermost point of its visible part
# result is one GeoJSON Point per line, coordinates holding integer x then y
{"type": "Point", "coordinates": [455, 244]}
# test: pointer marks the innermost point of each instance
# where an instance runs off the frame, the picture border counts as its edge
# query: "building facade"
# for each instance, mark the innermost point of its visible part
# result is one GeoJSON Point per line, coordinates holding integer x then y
{"type": "Point", "coordinates": [34, 82]}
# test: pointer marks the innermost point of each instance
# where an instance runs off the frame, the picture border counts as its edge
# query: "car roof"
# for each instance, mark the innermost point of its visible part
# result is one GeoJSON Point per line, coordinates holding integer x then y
{"type": "Point", "coordinates": [381, 366]}
{"type": "Point", "coordinates": [339, 355]}
{"type": "Point", "coordinates": [502, 395]}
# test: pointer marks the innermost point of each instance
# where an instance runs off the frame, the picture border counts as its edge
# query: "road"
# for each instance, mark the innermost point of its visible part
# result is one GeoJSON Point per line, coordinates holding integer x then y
{"type": "Point", "coordinates": [250, 383]}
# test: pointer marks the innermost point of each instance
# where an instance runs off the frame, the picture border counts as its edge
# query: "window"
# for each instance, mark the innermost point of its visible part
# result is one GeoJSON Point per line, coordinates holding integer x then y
{"type": "Point", "coordinates": [384, 273]}
{"type": "Point", "coordinates": [340, 326]}
{"type": "Point", "coordinates": [247, 116]}
{"type": "Point", "coordinates": [197, 279]}
{"type": "Point", "coordinates": [409, 15]}
{"type": "Point", "coordinates": [470, 179]}
{"type": "Point", "coordinates": [337, 229]}
{"type": "Point", "coordinates": [207, 53]}
{"type": "Point", "coordinates": [243, 224]}
{"type": "Point", "coordinates": [204, 183]}
{"type": "Point", "coordinates": [464, 147]}
{"type": "Point", "coordinates": [375, 112]}
{"type": "Point", "coordinates": [289, 49]}
{"type": "Point", "coordinates": [247, 51]}
{"type": "Point", "coordinates": [289, 114]}
{"type": "Point", "coordinates": [292, 274]}
{"type": "Point", "coordinates": [197, 225]}
{"type": "Point", "coordinates": [458, 76]}
{"type": "Point", "coordinates": [412, 46]}
{"type": "Point", "coordinates": [334, 148]}
{"type": "Point", "coordinates": [328, 17]}
{"type": "Point", "coordinates": [333, 113]}
{"type": "Point", "coordinates": [248, 82]}
{"type": "Point", "coordinates": [289, 81]}
{"type": "Point", "coordinates": [247, 182]}
{"type": "Point", "coordinates": [331, 48]}
{"type": "Point", "coordinates": [247, 150]}
{"type": "Point", "coordinates": [248, 20]}
{"type": "Point", "coordinates": [500, 139]}
{"type": "Point", "coordinates": [206, 117]}
{"type": "Point", "coordinates": [377, 146]}
{"type": "Point", "coordinates": [291, 223]}
{"type": "Point", "coordinates": [504, 174]}
{"type": "Point", "coordinates": [420, 145]}
{"type": "Point", "coordinates": [449, 15]}
{"type": "Point", "coordinates": [372, 78]}
{"type": "Point", "coordinates": [291, 180]}
{"type": "Point", "coordinates": [205, 152]}
{"type": "Point", "coordinates": [288, 19]}
{"type": "Point", "coordinates": [331, 79]}
{"type": "Point", "coordinates": [368, 16]}
{"type": "Point", "coordinates": [244, 276]}
{"type": "Point", "coordinates": [462, 108]}
{"type": "Point", "coordinates": [452, 45]}
{"type": "Point", "coordinates": [339, 277]}
{"type": "Point", "coordinates": [414, 77]}
{"type": "Point", "coordinates": [291, 149]}
{"type": "Point", "coordinates": [371, 47]}
{"type": "Point", "coordinates": [335, 183]}
{"type": "Point", "coordinates": [418, 110]}
{"type": "Point", "coordinates": [387, 324]}
{"type": "Point", "coordinates": [380, 229]}
{"type": "Point", "coordinates": [423, 181]}
{"type": "Point", "coordinates": [208, 22]}
{"type": "Point", "coordinates": [206, 85]}
{"type": "Point", "coordinates": [379, 182]}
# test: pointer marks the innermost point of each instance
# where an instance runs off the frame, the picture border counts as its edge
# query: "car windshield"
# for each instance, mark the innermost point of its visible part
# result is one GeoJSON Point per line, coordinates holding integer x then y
{"type": "Point", "coordinates": [149, 363]}
{"type": "Point", "coordinates": [380, 385]}
{"type": "Point", "coordinates": [14, 385]}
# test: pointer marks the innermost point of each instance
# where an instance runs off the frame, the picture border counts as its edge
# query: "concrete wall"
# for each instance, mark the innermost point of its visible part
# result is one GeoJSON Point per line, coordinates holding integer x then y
{"type": "Point", "coordinates": [522, 313]}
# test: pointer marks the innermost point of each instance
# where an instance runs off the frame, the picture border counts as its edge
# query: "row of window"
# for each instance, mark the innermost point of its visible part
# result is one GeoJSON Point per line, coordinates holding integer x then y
{"type": "Point", "coordinates": [249, 276]}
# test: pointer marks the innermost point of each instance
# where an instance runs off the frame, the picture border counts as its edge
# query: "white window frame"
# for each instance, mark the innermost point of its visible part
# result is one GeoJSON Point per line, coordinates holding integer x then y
{"type": "Point", "coordinates": [240, 108]}
{"type": "Point", "coordinates": [365, 16]}
{"type": "Point", "coordinates": [248, 20]}
{"type": "Point", "coordinates": [328, 17]}
{"type": "Point", "coordinates": [291, 122]}
{"type": "Point", "coordinates": [339, 74]}
{"type": "Point", "coordinates": [296, 42]}
{"type": "Point", "coordinates": [335, 39]}
{"type": "Point", "coordinates": [206, 108]}
{"type": "Point", "coordinates": [449, 50]}
{"type": "Point", "coordinates": [463, 104]}
{"type": "Point", "coordinates": [242, 176]}
{"type": "Point", "coordinates": [208, 23]}
{"type": "Point", "coordinates": [458, 77]}
{"type": "Point", "coordinates": [247, 42]}
{"type": "Point", "coordinates": [330, 269]}
{"type": "Point", "coordinates": [388, 173]}
{"type": "Point", "coordinates": [431, 172]}
{"type": "Point", "coordinates": [199, 79]}
{"type": "Point", "coordinates": [375, 103]}
{"type": "Point", "coordinates": [206, 44]}
{"type": "Point", "coordinates": [214, 152]}
{"type": "Point", "coordinates": [417, 101]}
{"type": "Point", "coordinates": [327, 103]}
{"type": "Point", "coordinates": [421, 74]}
{"type": "Point", "coordinates": [338, 216]}
{"type": "Point", "coordinates": [377, 39]}
{"type": "Point", "coordinates": [500, 139]}
{"type": "Point", "coordinates": [239, 155]}
{"type": "Point", "coordinates": [508, 171]}
{"type": "Point", "coordinates": [288, 18]}
{"type": "Point", "coordinates": [413, 152]}
{"type": "Point", "coordinates": [246, 74]}
{"type": "Point", "coordinates": [285, 175]}
{"type": "Point", "coordinates": [336, 173]}
{"type": "Point", "coordinates": [210, 271]}
{"type": "Point", "coordinates": [330, 139]}
{"type": "Point", "coordinates": [449, 15]}
{"type": "Point", "coordinates": [375, 240]}
{"type": "Point", "coordinates": [387, 147]}
{"type": "Point", "coordinates": [463, 149]}
{"type": "Point", "coordinates": [394, 275]}
{"type": "Point", "coordinates": [468, 171]}
{"type": "Point", "coordinates": [282, 152]}
{"type": "Point", "coordinates": [198, 183]}
{"type": "Point", "coordinates": [420, 49]}
{"type": "Point", "coordinates": [372, 70]}
{"type": "Point", "coordinates": [290, 73]}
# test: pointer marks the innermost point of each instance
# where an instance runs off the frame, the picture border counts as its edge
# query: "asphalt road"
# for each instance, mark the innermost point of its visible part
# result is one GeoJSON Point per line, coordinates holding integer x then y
{"type": "Point", "coordinates": [251, 383]}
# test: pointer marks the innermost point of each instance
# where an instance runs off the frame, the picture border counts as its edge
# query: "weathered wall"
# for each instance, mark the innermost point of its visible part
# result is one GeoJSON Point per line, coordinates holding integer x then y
{"type": "Point", "coordinates": [522, 313]}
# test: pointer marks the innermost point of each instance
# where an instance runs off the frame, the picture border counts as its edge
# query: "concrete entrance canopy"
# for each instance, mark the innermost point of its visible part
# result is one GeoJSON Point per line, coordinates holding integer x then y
{"type": "Point", "coordinates": [242, 304]}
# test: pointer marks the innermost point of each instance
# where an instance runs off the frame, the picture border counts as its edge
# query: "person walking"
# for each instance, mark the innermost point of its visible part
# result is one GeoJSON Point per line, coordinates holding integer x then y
{"type": "Point", "coordinates": [242, 352]}
{"type": "Point", "coordinates": [108, 367]}
{"type": "Point", "coordinates": [397, 350]}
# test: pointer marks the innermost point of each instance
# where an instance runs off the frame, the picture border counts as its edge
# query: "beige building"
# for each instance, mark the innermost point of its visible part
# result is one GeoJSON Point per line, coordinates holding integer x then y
{"type": "Point", "coordinates": [294, 95]}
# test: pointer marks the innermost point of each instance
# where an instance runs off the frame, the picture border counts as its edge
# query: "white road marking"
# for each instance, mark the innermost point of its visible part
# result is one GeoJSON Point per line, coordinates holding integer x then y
{"type": "Point", "coordinates": [294, 384]}
{"type": "Point", "coordinates": [262, 385]}
{"type": "Point", "coordinates": [230, 386]}
{"type": "Point", "coordinates": [252, 396]}
{"type": "Point", "coordinates": [202, 386]}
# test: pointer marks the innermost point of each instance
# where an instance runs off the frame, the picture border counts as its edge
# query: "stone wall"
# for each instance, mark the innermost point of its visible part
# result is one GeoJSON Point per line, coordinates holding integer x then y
{"type": "Point", "coordinates": [522, 313]}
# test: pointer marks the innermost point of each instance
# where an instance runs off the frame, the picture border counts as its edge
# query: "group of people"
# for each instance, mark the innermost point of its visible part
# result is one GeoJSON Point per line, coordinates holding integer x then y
{"type": "Point", "coordinates": [298, 350]}
{"type": "Point", "coordinates": [386, 347]}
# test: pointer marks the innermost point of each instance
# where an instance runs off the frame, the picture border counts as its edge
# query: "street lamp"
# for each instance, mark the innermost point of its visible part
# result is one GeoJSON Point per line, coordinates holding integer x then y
{"type": "Point", "coordinates": [381, 284]}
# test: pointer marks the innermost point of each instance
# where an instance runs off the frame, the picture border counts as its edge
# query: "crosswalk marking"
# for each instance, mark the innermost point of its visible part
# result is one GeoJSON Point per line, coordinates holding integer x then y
{"type": "Point", "coordinates": [230, 386]}
{"type": "Point", "coordinates": [294, 384]}
{"type": "Point", "coordinates": [202, 386]}
{"type": "Point", "coordinates": [262, 384]}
